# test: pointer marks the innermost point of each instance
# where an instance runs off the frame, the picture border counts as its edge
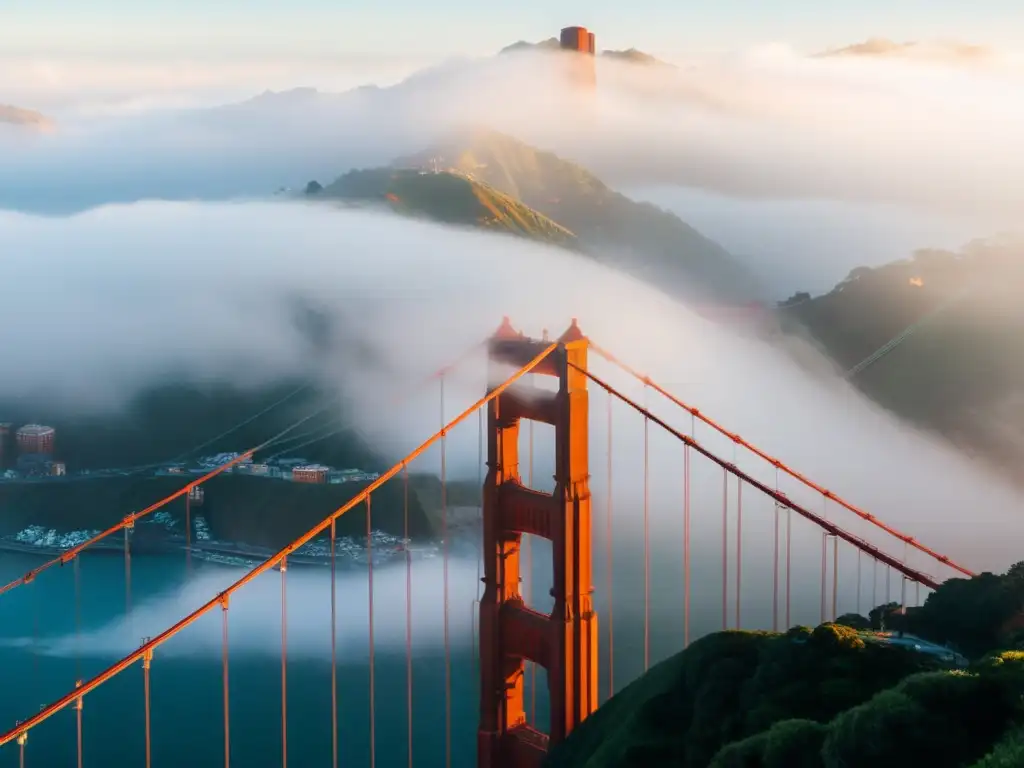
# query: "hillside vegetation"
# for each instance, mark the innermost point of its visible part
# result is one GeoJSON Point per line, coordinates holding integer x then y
{"type": "Point", "coordinates": [638, 238]}
{"type": "Point", "coordinates": [960, 369]}
{"type": "Point", "coordinates": [831, 697]}
{"type": "Point", "coordinates": [449, 198]}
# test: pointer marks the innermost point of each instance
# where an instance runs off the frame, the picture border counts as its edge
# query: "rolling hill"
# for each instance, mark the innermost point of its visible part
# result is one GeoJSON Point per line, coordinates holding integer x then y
{"type": "Point", "coordinates": [638, 238]}
{"type": "Point", "coordinates": [449, 198]}
{"type": "Point", "coordinates": [960, 367]}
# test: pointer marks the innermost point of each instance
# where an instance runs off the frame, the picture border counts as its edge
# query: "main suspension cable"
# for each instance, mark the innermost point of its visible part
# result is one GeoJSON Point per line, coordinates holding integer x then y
{"type": "Point", "coordinates": [737, 439]}
{"type": "Point", "coordinates": [20, 730]}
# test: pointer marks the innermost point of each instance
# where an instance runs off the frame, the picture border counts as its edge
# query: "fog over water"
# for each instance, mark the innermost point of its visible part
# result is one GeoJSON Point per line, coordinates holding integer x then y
{"type": "Point", "coordinates": [805, 167]}
{"type": "Point", "coordinates": [420, 295]}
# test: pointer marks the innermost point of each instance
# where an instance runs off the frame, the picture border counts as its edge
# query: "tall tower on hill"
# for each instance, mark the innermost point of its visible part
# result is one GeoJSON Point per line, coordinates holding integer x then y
{"type": "Point", "coordinates": [582, 43]}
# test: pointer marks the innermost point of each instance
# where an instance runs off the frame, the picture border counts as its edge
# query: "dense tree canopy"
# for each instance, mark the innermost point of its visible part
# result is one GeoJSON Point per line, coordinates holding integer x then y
{"type": "Point", "coordinates": [833, 697]}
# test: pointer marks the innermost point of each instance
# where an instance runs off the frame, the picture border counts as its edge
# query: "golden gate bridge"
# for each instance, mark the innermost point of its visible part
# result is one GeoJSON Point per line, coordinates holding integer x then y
{"type": "Point", "coordinates": [514, 637]}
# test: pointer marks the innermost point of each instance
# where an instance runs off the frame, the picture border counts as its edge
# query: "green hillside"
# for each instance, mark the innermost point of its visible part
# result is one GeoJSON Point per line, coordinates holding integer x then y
{"type": "Point", "coordinates": [450, 198]}
{"type": "Point", "coordinates": [832, 697]}
{"type": "Point", "coordinates": [960, 369]}
{"type": "Point", "coordinates": [638, 238]}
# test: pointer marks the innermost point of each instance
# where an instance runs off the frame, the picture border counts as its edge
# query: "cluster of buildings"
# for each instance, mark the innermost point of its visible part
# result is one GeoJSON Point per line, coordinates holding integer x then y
{"type": "Point", "coordinates": [28, 451]}
{"type": "Point", "coordinates": [294, 469]}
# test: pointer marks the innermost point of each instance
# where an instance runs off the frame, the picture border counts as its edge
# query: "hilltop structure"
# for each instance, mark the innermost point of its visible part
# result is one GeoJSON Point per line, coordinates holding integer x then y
{"type": "Point", "coordinates": [582, 42]}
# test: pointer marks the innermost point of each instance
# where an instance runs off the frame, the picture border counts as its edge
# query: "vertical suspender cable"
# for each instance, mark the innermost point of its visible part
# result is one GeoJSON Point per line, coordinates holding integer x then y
{"type": "Point", "coordinates": [859, 553]}
{"type": "Point", "coordinates": [444, 544]}
{"type": "Point", "coordinates": [284, 663]}
{"type": "Point", "coordinates": [888, 584]}
{"type": "Point", "coordinates": [334, 643]}
{"type": "Point", "coordinates": [874, 584]}
{"type": "Point", "coordinates": [789, 563]}
{"type": "Point", "coordinates": [647, 544]}
{"type": "Point", "coordinates": [373, 692]}
{"type": "Point", "coordinates": [835, 576]}
{"type": "Point", "coordinates": [739, 547]}
{"type": "Point", "coordinates": [79, 703]}
{"type": "Point", "coordinates": [408, 613]}
{"type": "Point", "coordinates": [725, 549]}
{"type": "Point", "coordinates": [78, 617]}
{"type": "Point", "coordinates": [528, 544]}
{"type": "Point", "coordinates": [824, 573]}
{"type": "Point", "coordinates": [479, 538]}
{"type": "Point", "coordinates": [127, 572]}
{"type": "Point", "coordinates": [775, 563]}
{"type": "Point", "coordinates": [686, 545]}
{"type": "Point", "coordinates": [188, 531]}
{"type": "Point", "coordinates": [36, 688]}
{"type": "Point", "coordinates": [224, 679]}
{"type": "Point", "coordinates": [608, 556]}
{"type": "Point", "coordinates": [146, 661]}
{"type": "Point", "coordinates": [903, 595]}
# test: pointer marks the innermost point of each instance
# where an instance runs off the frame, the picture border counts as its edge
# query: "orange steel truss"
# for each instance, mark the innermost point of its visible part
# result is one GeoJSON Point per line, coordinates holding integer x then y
{"type": "Point", "coordinates": [564, 642]}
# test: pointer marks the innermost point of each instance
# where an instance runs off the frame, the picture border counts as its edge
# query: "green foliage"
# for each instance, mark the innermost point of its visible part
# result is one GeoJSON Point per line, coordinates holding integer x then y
{"type": "Point", "coordinates": [828, 697]}
{"type": "Point", "coordinates": [1008, 753]}
{"type": "Point", "coordinates": [732, 686]}
{"type": "Point", "coordinates": [854, 621]}
{"type": "Point", "coordinates": [639, 238]}
{"type": "Point", "coordinates": [974, 615]}
{"type": "Point", "coordinates": [450, 198]}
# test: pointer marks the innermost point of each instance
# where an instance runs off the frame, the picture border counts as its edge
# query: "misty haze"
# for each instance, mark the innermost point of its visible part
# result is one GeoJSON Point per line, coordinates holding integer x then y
{"type": "Point", "coordinates": [817, 251]}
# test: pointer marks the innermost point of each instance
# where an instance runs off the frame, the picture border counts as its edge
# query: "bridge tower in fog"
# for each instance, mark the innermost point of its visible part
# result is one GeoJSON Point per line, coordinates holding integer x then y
{"type": "Point", "coordinates": [563, 642]}
{"type": "Point", "coordinates": [583, 64]}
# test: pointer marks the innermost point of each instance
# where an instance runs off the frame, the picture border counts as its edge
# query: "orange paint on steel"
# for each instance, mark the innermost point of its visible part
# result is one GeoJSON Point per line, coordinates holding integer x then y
{"type": "Point", "coordinates": [780, 465]}
{"type": "Point", "coordinates": [828, 527]}
{"type": "Point", "coordinates": [49, 711]}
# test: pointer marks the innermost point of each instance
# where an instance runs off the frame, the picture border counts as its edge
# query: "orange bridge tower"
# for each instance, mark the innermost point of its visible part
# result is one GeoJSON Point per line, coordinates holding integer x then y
{"type": "Point", "coordinates": [563, 642]}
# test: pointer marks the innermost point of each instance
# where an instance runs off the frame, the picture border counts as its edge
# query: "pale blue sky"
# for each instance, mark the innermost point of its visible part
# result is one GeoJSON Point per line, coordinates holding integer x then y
{"type": "Point", "coordinates": [418, 28]}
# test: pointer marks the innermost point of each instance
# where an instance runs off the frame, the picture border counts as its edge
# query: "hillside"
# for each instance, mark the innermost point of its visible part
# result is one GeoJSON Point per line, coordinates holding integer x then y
{"type": "Point", "coordinates": [879, 47]}
{"type": "Point", "coordinates": [960, 369]}
{"type": "Point", "coordinates": [831, 697]}
{"type": "Point", "coordinates": [638, 238]}
{"type": "Point", "coordinates": [449, 198]}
